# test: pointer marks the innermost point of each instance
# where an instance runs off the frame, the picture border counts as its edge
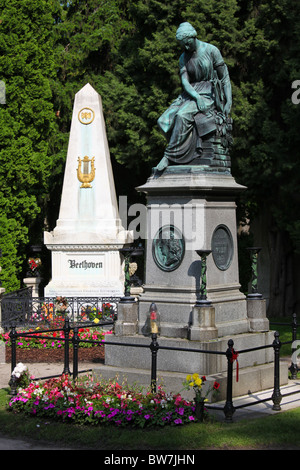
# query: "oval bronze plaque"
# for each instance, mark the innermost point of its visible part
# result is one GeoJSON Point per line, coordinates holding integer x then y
{"type": "Point", "coordinates": [222, 247]}
{"type": "Point", "coordinates": [168, 248]}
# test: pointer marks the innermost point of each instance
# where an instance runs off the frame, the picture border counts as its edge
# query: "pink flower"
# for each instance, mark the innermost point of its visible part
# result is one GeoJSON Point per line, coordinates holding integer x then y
{"type": "Point", "coordinates": [178, 421]}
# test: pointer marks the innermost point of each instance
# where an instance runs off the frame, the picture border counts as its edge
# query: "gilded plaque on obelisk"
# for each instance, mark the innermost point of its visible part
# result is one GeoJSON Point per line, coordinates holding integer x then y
{"type": "Point", "coordinates": [86, 171]}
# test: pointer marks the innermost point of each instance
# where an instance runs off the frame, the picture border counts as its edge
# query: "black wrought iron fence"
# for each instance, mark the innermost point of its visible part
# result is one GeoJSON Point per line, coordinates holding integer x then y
{"type": "Point", "coordinates": [294, 325]}
{"type": "Point", "coordinates": [24, 310]}
{"type": "Point", "coordinates": [15, 306]}
{"type": "Point", "coordinates": [231, 355]}
{"type": "Point", "coordinates": [48, 334]}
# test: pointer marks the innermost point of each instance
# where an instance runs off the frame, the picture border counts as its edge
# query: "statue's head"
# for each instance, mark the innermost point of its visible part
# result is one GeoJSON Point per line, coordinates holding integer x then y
{"type": "Point", "coordinates": [185, 31]}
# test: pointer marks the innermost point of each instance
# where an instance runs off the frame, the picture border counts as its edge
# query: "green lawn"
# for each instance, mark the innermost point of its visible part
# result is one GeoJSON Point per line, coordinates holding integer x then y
{"type": "Point", "coordinates": [285, 334]}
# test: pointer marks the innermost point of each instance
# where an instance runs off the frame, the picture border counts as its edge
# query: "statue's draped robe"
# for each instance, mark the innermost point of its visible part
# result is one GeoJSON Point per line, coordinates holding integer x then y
{"type": "Point", "coordinates": [182, 122]}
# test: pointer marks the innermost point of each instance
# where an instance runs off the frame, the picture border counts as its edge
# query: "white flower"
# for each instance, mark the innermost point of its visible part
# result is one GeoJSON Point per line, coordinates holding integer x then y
{"type": "Point", "coordinates": [19, 369]}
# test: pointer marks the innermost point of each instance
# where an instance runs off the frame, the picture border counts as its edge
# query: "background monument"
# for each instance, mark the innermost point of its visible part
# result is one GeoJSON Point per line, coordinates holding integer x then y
{"type": "Point", "coordinates": [88, 235]}
{"type": "Point", "coordinates": [191, 220]}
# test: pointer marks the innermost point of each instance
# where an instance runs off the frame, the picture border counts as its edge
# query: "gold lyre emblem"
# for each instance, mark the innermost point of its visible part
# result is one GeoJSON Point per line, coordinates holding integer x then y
{"type": "Point", "coordinates": [86, 116]}
{"type": "Point", "coordinates": [87, 174]}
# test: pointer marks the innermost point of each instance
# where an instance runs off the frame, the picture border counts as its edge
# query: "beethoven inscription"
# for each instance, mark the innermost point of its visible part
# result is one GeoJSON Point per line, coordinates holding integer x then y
{"type": "Point", "coordinates": [222, 247]}
{"type": "Point", "coordinates": [73, 264]}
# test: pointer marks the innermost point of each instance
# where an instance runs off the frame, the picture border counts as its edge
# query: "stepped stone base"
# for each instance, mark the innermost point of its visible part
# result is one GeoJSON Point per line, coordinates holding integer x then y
{"type": "Point", "coordinates": [131, 359]}
{"type": "Point", "coordinates": [134, 352]}
{"type": "Point", "coordinates": [250, 380]}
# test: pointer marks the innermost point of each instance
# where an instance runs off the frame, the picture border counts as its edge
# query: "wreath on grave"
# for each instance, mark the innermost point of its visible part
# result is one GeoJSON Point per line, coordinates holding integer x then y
{"type": "Point", "coordinates": [61, 305]}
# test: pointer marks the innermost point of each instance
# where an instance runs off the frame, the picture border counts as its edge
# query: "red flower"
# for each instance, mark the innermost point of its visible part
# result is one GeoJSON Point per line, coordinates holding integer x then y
{"type": "Point", "coordinates": [216, 385]}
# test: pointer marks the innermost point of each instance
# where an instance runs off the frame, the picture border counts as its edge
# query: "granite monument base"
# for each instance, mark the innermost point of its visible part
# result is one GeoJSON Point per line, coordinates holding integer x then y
{"type": "Point", "coordinates": [202, 350]}
{"type": "Point", "coordinates": [131, 360]}
{"type": "Point", "coordinates": [189, 210]}
{"type": "Point", "coordinates": [251, 380]}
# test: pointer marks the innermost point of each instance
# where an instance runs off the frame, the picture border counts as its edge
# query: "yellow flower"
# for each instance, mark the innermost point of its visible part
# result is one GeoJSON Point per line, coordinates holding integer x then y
{"type": "Point", "coordinates": [96, 320]}
{"type": "Point", "coordinates": [198, 382]}
{"type": "Point", "coordinates": [188, 377]}
{"type": "Point", "coordinates": [195, 376]}
{"type": "Point", "coordinates": [191, 384]}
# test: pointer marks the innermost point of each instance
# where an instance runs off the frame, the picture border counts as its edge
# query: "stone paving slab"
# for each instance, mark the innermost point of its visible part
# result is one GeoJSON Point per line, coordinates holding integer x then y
{"type": "Point", "coordinates": [290, 399]}
{"type": "Point", "coordinates": [42, 369]}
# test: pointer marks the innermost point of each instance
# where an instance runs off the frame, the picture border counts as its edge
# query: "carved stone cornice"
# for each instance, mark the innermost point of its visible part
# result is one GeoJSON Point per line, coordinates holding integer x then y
{"type": "Point", "coordinates": [83, 248]}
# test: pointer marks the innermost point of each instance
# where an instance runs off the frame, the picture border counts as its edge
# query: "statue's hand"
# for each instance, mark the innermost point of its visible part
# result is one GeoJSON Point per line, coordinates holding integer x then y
{"type": "Point", "coordinates": [201, 105]}
{"type": "Point", "coordinates": [227, 108]}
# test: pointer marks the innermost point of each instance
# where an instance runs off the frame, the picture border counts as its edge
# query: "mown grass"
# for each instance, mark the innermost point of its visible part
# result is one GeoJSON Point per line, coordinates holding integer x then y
{"type": "Point", "coordinates": [284, 328]}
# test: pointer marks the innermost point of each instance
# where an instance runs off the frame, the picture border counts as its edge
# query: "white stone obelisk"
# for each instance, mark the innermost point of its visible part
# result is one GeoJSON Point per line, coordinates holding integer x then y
{"type": "Point", "coordinates": [88, 235]}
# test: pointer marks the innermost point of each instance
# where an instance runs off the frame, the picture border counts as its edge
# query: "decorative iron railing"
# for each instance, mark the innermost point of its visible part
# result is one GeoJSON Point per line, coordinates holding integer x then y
{"type": "Point", "coordinates": [23, 310]}
{"type": "Point", "coordinates": [228, 408]}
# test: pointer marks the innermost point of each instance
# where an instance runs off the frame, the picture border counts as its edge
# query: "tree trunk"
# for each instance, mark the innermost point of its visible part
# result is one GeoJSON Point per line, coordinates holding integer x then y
{"type": "Point", "coordinates": [282, 297]}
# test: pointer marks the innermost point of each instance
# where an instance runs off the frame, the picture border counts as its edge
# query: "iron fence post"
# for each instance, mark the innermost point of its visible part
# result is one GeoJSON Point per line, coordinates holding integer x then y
{"type": "Point", "coordinates": [276, 396]}
{"type": "Point", "coordinates": [229, 408]}
{"type": "Point", "coordinates": [154, 348]}
{"type": "Point", "coordinates": [66, 329]}
{"type": "Point", "coordinates": [75, 353]}
{"type": "Point", "coordinates": [293, 367]}
{"type": "Point", "coordinates": [13, 380]}
{"type": "Point", "coordinates": [13, 338]}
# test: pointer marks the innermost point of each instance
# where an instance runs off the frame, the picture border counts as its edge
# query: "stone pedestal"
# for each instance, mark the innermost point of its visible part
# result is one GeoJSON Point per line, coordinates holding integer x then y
{"type": "Point", "coordinates": [203, 327]}
{"type": "Point", "coordinates": [33, 282]}
{"type": "Point", "coordinates": [200, 208]}
{"type": "Point", "coordinates": [256, 308]}
{"type": "Point", "coordinates": [127, 322]}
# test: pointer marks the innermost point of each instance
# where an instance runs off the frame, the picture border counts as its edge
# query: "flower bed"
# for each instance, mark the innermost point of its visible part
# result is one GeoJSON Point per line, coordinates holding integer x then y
{"type": "Point", "coordinates": [39, 349]}
{"type": "Point", "coordinates": [35, 355]}
{"type": "Point", "coordinates": [101, 403]}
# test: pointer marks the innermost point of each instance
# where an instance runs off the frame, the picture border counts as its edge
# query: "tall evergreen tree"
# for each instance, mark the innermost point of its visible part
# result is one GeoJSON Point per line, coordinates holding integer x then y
{"type": "Point", "coordinates": [267, 139]}
{"type": "Point", "coordinates": [27, 122]}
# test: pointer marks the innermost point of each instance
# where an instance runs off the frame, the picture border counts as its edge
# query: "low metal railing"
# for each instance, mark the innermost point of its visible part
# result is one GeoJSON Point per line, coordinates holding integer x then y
{"type": "Point", "coordinates": [231, 355]}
